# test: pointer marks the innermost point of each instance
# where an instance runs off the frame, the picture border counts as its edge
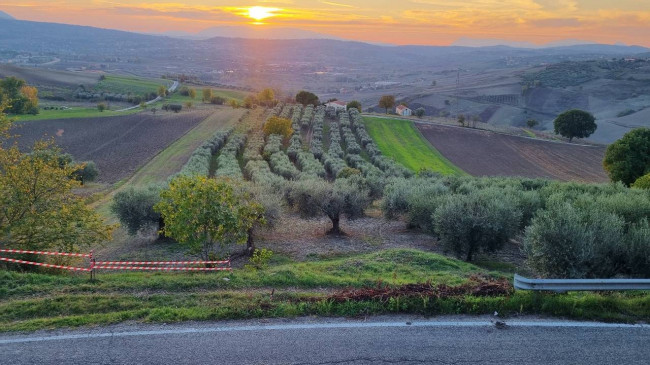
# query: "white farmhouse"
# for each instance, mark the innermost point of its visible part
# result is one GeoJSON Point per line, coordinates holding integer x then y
{"type": "Point", "coordinates": [403, 111]}
{"type": "Point", "coordinates": [337, 104]}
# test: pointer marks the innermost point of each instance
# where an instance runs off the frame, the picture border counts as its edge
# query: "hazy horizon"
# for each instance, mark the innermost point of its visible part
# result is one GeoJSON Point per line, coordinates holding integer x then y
{"type": "Point", "coordinates": [418, 22]}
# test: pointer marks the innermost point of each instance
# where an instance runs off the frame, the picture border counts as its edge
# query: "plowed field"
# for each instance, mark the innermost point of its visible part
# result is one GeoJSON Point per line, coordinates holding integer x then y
{"type": "Point", "coordinates": [483, 153]}
{"type": "Point", "coordinates": [118, 145]}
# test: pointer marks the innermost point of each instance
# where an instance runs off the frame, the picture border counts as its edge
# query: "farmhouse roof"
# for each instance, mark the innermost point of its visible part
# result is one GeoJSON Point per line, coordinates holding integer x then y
{"type": "Point", "coordinates": [338, 102]}
{"type": "Point", "coordinates": [401, 108]}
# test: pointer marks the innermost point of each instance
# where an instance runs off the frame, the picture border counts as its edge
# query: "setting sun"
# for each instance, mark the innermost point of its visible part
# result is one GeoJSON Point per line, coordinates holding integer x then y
{"type": "Point", "coordinates": [260, 12]}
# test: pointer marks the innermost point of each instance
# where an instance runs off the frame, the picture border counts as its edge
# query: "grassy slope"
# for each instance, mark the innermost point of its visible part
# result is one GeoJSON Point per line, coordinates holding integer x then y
{"type": "Point", "coordinates": [37, 301]}
{"type": "Point", "coordinates": [400, 140]}
{"type": "Point", "coordinates": [171, 159]}
{"type": "Point", "coordinates": [125, 85]}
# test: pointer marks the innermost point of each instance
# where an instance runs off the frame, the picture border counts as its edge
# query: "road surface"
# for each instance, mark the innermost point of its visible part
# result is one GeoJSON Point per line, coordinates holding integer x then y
{"type": "Point", "coordinates": [378, 340]}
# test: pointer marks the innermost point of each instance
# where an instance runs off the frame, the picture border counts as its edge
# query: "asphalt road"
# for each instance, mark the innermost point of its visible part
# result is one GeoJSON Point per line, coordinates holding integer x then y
{"type": "Point", "coordinates": [379, 340]}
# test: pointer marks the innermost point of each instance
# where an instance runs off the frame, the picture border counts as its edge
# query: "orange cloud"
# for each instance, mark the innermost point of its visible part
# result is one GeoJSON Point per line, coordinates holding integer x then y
{"type": "Point", "coordinates": [411, 22]}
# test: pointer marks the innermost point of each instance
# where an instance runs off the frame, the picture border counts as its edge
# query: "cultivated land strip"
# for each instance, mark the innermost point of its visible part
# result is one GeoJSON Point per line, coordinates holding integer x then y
{"type": "Point", "coordinates": [483, 153]}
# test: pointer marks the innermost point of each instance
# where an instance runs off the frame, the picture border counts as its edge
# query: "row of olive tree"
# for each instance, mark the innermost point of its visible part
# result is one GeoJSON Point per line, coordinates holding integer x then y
{"type": "Point", "coordinates": [569, 229]}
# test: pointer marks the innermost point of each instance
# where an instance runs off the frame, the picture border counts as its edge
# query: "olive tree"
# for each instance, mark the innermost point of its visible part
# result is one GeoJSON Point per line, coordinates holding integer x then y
{"type": "Point", "coordinates": [134, 207]}
{"type": "Point", "coordinates": [468, 224]}
{"type": "Point", "coordinates": [345, 197]}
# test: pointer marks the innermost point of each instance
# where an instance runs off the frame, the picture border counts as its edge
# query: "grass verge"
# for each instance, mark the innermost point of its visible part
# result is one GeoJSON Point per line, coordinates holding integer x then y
{"type": "Point", "coordinates": [30, 301]}
{"type": "Point", "coordinates": [399, 139]}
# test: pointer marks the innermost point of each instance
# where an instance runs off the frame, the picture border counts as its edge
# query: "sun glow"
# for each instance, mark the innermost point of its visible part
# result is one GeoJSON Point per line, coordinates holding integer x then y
{"type": "Point", "coordinates": [261, 12]}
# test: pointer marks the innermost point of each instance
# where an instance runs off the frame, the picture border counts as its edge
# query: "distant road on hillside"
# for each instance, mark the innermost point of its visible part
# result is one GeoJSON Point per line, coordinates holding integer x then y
{"type": "Point", "coordinates": [387, 340]}
{"type": "Point", "coordinates": [171, 90]}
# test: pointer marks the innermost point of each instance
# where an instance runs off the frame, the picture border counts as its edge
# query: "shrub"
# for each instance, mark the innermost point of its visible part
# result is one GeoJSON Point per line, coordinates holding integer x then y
{"type": "Point", "coordinates": [260, 259]}
{"type": "Point", "coordinates": [101, 107]}
{"type": "Point", "coordinates": [468, 224]}
{"type": "Point", "coordinates": [643, 182]}
{"type": "Point", "coordinates": [279, 126]}
{"type": "Point", "coordinates": [134, 208]}
{"type": "Point", "coordinates": [217, 100]}
{"type": "Point", "coordinates": [87, 173]}
{"type": "Point", "coordinates": [567, 242]}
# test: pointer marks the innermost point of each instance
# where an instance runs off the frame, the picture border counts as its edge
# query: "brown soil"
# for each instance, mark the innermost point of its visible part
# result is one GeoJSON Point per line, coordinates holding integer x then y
{"type": "Point", "coordinates": [118, 145]}
{"type": "Point", "coordinates": [483, 153]}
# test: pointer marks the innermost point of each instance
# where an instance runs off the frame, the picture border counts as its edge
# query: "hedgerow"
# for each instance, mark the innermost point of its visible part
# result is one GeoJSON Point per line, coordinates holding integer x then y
{"type": "Point", "coordinates": [227, 163]}
{"type": "Point", "coordinates": [199, 161]}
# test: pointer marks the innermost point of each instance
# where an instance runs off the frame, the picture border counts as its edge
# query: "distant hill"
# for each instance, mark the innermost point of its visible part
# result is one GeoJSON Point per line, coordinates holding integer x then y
{"type": "Point", "coordinates": [4, 15]}
{"type": "Point", "coordinates": [249, 32]}
{"type": "Point", "coordinates": [573, 44]}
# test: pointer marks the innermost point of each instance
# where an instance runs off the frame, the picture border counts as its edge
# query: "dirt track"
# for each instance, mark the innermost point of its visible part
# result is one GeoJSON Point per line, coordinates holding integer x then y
{"type": "Point", "coordinates": [483, 153]}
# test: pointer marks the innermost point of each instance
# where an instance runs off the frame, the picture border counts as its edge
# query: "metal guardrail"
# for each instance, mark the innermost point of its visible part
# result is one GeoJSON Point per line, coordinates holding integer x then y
{"type": "Point", "coordinates": [564, 285]}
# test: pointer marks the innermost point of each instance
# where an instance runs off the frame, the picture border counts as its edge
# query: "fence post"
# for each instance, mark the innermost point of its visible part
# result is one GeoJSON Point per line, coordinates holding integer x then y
{"type": "Point", "coordinates": [92, 265]}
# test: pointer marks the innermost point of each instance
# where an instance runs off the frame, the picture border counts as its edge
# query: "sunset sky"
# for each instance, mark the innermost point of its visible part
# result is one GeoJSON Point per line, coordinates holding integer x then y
{"type": "Point", "coordinates": [432, 22]}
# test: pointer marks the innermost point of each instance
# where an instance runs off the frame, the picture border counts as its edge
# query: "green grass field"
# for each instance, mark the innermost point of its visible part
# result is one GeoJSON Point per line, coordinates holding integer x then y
{"type": "Point", "coordinates": [224, 93]}
{"type": "Point", "coordinates": [31, 301]}
{"type": "Point", "coordinates": [399, 139]}
{"type": "Point", "coordinates": [134, 85]}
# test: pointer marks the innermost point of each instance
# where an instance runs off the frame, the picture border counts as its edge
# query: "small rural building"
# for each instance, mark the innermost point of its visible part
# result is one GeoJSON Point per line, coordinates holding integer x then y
{"type": "Point", "coordinates": [403, 111]}
{"type": "Point", "coordinates": [337, 104]}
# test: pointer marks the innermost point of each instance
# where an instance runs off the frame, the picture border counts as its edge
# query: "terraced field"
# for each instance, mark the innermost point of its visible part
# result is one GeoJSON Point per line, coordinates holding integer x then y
{"type": "Point", "coordinates": [483, 153]}
{"type": "Point", "coordinates": [118, 145]}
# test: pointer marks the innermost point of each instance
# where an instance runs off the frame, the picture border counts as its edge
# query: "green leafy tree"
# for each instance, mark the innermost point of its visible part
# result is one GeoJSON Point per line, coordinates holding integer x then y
{"type": "Point", "coordinates": [266, 97]}
{"type": "Point", "coordinates": [532, 123]}
{"type": "Point", "coordinates": [162, 91]}
{"type": "Point", "coordinates": [575, 123]}
{"type": "Point", "coordinates": [18, 98]}
{"type": "Point", "coordinates": [419, 112]}
{"type": "Point", "coordinates": [134, 208]}
{"type": "Point", "coordinates": [206, 95]}
{"type": "Point", "coordinates": [387, 102]}
{"type": "Point", "coordinates": [234, 104]}
{"type": "Point", "coordinates": [201, 213]}
{"type": "Point", "coordinates": [101, 107]}
{"type": "Point", "coordinates": [250, 101]}
{"type": "Point", "coordinates": [628, 159]}
{"type": "Point", "coordinates": [279, 126]}
{"type": "Point", "coordinates": [306, 98]}
{"type": "Point", "coordinates": [354, 104]}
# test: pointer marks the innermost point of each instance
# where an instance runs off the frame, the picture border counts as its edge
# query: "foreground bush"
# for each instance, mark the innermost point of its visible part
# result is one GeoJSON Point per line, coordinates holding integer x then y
{"type": "Point", "coordinates": [134, 208]}
{"type": "Point", "coordinates": [468, 224]}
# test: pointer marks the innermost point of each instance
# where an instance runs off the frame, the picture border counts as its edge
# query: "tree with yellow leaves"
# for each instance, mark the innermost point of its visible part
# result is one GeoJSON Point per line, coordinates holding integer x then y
{"type": "Point", "coordinates": [38, 209]}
